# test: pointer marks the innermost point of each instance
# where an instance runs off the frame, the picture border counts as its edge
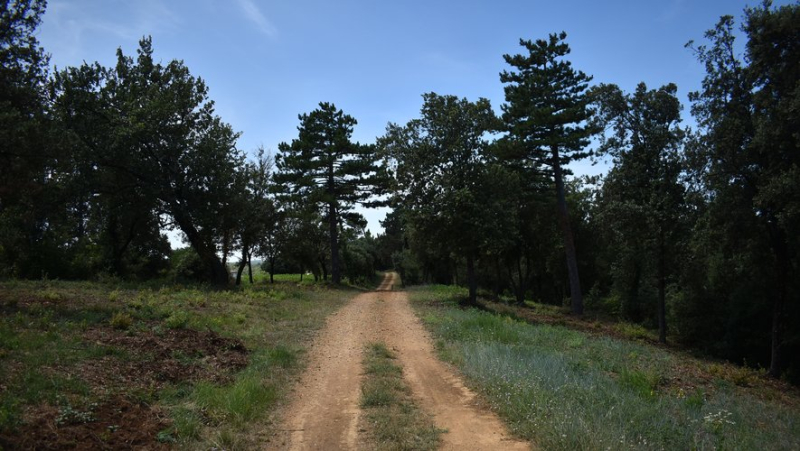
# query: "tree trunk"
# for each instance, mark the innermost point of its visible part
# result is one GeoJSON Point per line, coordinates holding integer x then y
{"type": "Point", "coordinates": [225, 248]}
{"type": "Point", "coordinates": [782, 261]}
{"type": "Point", "coordinates": [498, 287]}
{"type": "Point", "coordinates": [250, 268]}
{"type": "Point", "coordinates": [333, 225]}
{"type": "Point", "coordinates": [472, 282]}
{"type": "Point", "coordinates": [272, 270]}
{"type": "Point", "coordinates": [521, 286]}
{"type": "Point", "coordinates": [239, 271]}
{"type": "Point", "coordinates": [662, 285]}
{"type": "Point", "coordinates": [324, 268]}
{"type": "Point", "coordinates": [242, 263]}
{"type": "Point", "coordinates": [569, 240]}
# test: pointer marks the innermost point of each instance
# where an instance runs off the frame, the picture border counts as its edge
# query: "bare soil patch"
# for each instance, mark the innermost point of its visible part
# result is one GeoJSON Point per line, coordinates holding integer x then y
{"type": "Point", "coordinates": [325, 413]}
{"type": "Point", "coordinates": [116, 424]}
{"type": "Point", "coordinates": [173, 355]}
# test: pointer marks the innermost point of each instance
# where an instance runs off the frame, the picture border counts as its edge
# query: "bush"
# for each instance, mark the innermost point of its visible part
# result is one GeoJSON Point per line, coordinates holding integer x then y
{"type": "Point", "coordinates": [185, 266]}
{"type": "Point", "coordinates": [121, 321]}
{"type": "Point", "coordinates": [177, 320]}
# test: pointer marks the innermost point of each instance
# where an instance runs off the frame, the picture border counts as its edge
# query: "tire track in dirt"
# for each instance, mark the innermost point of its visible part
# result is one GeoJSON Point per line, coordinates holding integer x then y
{"type": "Point", "coordinates": [437, 389]}
{"type": "Point", "coordinates": [325, 412]}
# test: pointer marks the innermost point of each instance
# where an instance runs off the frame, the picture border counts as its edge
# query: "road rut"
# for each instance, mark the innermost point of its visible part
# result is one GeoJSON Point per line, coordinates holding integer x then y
{"type": "Point", "coordinates": [325, 411]}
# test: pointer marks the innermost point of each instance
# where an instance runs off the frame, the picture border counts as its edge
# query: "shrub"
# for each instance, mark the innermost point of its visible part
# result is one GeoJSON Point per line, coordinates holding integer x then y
{"type": "Point", "coordinates": [177, 320]}
{"type": "Point", "coordinates": [633, 331]}
{"type": "Point", "coordinates": [121, 321]}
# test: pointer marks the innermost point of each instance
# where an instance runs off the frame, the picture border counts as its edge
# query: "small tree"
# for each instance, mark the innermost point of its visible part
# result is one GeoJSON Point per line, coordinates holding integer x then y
{"type": "Point", "coordinates": [257, 212]}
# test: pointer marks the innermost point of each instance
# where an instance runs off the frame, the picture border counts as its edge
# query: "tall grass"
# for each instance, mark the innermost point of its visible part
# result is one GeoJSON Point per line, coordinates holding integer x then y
{"type": "Point", "coordinates": [563, 389]}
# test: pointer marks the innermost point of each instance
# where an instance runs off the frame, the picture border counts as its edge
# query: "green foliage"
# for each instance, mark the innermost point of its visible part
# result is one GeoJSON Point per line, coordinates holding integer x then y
{"type": "Point", "coordinates": [441, 177]}
{"type": "Point", "coordinates": [177, 320]}
{"type": "Point", "coordinates": [129, 127]}
{"type": "Point", "coordinates": [322, 168]}
{"type": "Point", "coordinates": [546, 114]}
{"type": "Point", "coordinates": [360, 260]}
{"type": "Point", "coordinates": [185, 266]}
{"type": "Point", "coordinates": [633, 331]}
{"type": "Point", "coordinates": [121, 320]}
{"type": "Point", "coordinates": [30, 222]}
{"type": "Point", "coordinates": [645, 384]}
{"type": "Point", "coordinates": [406, 264]}
{"type": "Point", "coordinates": [746, 163]}
{"type": "Point", "coordinates": [642, 199]}
{"type": "Point", "coordinates": [244, 400]}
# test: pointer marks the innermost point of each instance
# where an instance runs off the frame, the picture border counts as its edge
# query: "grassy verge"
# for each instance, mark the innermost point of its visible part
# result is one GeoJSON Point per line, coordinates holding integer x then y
{"type": "Point", "coordinates": [262, 277]}
{"type": "Point", "coordinates": [568, 389]}
{"type": "Point", "coordinates": [190, 367]}
{"type": "Point", "coordinates": [393, 421]}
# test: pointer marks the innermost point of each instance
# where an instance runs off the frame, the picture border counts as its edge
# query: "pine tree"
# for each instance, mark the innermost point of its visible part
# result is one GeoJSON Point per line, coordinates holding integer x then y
{"type": "Point", "coordinates": [546, 110]}
{"type": "Point", "coordinates": [324, 168]}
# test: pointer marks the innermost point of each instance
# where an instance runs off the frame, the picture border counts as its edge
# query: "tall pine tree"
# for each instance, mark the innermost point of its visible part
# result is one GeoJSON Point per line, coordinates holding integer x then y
{"type": "Point", "coordinates": [323, 167]}
{"type": "Point", "coordinates": [546, 110]}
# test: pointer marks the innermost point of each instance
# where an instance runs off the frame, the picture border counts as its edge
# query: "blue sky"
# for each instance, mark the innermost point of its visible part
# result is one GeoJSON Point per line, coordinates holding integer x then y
{"type": "Point", "coordinates": [267, 61]}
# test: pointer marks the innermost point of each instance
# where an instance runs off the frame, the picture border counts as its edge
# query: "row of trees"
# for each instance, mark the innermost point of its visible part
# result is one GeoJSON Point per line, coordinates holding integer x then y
{"type": "Point", "coordinates": [691, 232]}
{"type": "Point", "coordinates": [97, 162]}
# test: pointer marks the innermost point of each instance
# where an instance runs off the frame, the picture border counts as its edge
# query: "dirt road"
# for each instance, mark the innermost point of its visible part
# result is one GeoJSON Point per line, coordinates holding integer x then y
{"type": "Point", "coordinates": [325, 412]}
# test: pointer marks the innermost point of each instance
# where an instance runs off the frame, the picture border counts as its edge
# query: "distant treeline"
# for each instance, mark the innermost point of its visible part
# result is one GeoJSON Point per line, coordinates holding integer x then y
{"type": "Point", "coordinates": [693, 232]}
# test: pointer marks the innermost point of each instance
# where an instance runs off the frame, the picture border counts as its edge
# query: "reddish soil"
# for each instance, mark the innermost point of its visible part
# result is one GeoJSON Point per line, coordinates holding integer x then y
{"type": "Point", "coordinates": [173, 356]}
{"type": "Point", "coordinates": [116, 424]}
{"type": "Point", "coordinates": [119, 422]}
{"type": "Point", "coordinates": [325, 413]}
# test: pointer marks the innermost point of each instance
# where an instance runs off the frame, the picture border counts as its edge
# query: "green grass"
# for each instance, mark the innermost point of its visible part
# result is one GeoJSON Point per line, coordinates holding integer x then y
{"type": "Point", "coordinates": [565, 389]}
{"type": "Point", "coordinates": [42, 350]}
{"type": "Point", "coordinates": [393, 421]}
{"type": "Point", "coordinates": [261, 277]}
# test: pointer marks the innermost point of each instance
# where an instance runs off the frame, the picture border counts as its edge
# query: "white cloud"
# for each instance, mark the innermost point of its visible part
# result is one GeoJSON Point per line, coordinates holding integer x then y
{"type": "Point", "coordinates": [252, 12]}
